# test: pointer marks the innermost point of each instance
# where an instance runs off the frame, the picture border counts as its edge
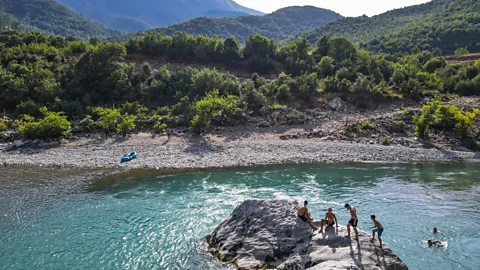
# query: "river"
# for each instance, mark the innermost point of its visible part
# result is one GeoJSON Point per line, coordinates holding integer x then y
{"type": "Point", "coordinates": [146, 220]}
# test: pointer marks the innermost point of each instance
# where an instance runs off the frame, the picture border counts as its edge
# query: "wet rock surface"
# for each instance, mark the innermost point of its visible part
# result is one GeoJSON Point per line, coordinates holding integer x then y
{"type": "Point", "coordinates": [268, 233]}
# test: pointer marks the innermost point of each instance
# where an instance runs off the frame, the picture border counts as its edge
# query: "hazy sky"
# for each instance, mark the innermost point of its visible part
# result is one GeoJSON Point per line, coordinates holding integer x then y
{"type": "Point", "coordinates": [344, 7]}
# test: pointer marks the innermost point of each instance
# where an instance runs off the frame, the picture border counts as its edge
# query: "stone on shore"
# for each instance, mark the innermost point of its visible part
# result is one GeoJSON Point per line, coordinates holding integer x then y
{"type": "Point", "coordinates": [268, 234]}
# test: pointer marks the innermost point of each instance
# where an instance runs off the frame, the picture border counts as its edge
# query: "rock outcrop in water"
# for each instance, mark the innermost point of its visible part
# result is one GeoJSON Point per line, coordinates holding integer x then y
{"type": "Point", "coordinates": [268, 233]}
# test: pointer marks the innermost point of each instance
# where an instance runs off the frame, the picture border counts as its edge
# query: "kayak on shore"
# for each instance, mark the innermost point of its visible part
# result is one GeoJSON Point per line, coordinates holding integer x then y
{"type": "Point", "coordinates": [129, 157]}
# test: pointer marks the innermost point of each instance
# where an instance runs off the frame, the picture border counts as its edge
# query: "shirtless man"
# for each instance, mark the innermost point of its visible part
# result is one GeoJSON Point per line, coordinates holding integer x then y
{"type": "Point", "coordinates": [353, 220]}
{"type": "Point", "coordinates": [305, 216]}
{"type": "Point", "coordinates": [378, 228]}
{"type": "Point", "coordinates": [329, 220]}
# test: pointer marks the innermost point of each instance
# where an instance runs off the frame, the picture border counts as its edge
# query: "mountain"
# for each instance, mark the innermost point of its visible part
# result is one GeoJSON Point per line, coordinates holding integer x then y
{"type": "Point", "coordinates": [364, 28]}
{"type": "Point", "coordinates": [8, 22]}
{"type": "Point", "coordinates": [281, 24]}
{"type": "Point", "coordinates": [440, 26]}
{"type": "Point", "coordinates": [457, 25]}
{"type": "Point", "coordinates": [139, 15]}
{"type": "Point", "coordinates": [53, 18]}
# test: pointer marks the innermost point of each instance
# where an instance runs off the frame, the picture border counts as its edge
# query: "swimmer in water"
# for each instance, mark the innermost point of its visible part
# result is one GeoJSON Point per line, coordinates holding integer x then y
{"type": "Point", "coordinates": [435, 230]}
{"type": "Point", "coordinates": [437, 243]}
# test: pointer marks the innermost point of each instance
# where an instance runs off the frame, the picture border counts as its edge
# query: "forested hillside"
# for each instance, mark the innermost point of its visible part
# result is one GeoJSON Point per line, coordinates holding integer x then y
{"type": "Point", "coordinates": [38, 80]}
{"type": "Point", "coordinates": [8, 22]}
{"type": "Point", "coordinates": [138, 15]}
{"type": "Point", "coordinates": [53, 18]}
{"type": "Point", "coordinates": [457, 26]}
{"type": "Point", "coordinates": [440, 26]}
{"type": "Point", "coordinates": [281, 24]}
{"type": "Point", "coordinates": [365, 28]}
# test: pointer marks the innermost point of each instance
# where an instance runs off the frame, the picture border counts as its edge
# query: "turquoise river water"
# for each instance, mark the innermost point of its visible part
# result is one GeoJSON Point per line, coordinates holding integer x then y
{"type": "Point", "coordinates": [149, 221]}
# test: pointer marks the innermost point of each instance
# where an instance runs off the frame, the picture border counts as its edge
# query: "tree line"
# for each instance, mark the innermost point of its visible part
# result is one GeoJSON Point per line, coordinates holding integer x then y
{"type": "Point", "coordinates": [36, 78]}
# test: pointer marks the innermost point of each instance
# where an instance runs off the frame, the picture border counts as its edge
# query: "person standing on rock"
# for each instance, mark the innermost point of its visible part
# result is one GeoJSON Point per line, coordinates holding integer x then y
{"type": "Point", "coordinates": [329, 220]}
{"type": "Point", "coordinates": [305, 216]}
{"type": "Point", "coordinates": [353, 220]}
{"type": "Point", "coordinates": [378, 228]}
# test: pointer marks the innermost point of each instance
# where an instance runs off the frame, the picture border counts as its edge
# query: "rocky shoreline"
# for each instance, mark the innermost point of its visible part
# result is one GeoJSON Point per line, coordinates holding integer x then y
{"type": "Point", "coordinates": [263, 234]}
{"type": "Point", "coordinates": [235, 149]}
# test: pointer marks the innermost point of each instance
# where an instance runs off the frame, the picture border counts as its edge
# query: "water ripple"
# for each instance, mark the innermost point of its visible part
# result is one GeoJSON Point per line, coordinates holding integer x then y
{"type": "Point", "coordinates": [159, 222]}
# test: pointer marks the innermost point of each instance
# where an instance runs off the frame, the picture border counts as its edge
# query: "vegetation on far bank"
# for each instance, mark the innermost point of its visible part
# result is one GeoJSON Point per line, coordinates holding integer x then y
{"type": "Point", "coordinates": [37, 81]}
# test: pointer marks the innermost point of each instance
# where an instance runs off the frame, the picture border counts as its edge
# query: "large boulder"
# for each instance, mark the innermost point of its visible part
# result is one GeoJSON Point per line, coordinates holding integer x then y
{"type": "Point", "coordinates": [268, 233]}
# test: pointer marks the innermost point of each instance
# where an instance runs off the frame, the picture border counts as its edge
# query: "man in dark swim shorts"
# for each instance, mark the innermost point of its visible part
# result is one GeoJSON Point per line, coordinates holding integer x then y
{"type": "Point", "coordinates": [305, 216]}
{"type": "Point", "coordinates": [353, 221]}
{"type": "Point", "coordinates": [329, 220]}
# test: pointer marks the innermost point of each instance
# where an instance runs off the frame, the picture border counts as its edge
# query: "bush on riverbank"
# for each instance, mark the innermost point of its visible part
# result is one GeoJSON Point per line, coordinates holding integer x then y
{"type": "Point", "coordinates": [214, 105]}
{"type": "Point", "coordinates": [436, 114]}
{"type": "Point", "coordinates": [111, 120]}
{"type": "Point", "coordinates": [53, 125]}
{"type": "Point", "coordinates": [4, 122]}
{"type": "Point", "coordinates": [35, 71]}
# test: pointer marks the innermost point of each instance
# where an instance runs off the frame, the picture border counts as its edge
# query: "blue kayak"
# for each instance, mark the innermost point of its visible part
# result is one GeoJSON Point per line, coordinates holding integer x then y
{"type": "Point", "coordinates": [129, 157]}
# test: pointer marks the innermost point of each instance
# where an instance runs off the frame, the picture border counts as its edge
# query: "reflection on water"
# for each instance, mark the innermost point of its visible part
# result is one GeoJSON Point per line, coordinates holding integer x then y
{"type": "Point", "coordinates": [149, 221]}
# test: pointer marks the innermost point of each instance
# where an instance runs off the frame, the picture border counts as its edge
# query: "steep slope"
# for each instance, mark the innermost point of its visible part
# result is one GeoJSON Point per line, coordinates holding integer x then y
{"type": "Point", "coordinates": [455, 26]}
{"type": "Point", "coordinates": [281, 24]}
{"type": "Point", "coordinates": [137, 15]}
{"type": "Point", "coordinates": [52, 17]}
{"type": "Point", "coordinates": [365, 28]}
{"type": "Point", "coordinates": [8, 22]}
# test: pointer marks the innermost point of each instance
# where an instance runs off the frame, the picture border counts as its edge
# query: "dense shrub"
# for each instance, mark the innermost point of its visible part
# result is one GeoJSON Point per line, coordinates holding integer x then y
{"type": "Point", "coordinates": [4, 123]}
{"type": "Point", "coordinates": [212, 105]}
{"type": "Point", "coordinates": [461, 51]}
{"type": "Point", "coordinates": [447, 117]}
{"type": "Point", "coordinates": [53, 125]}
{"type": "Point", "coordinates": [126, 125]}
{"type": "Point", "coordinates": [107, 118]}
{"type": "Point", "coordinates": [159, 127]}
{"type": "Point", "coordinates": [283, 93]}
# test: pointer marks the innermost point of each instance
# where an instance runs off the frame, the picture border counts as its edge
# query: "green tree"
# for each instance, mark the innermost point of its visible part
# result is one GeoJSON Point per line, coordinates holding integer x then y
{"type": "Point", "coordinates": [231, 50]}
{"type": "Point", "coordinates": [126, 125]}
{"type": "Point", "coordinates": [341, 49]}
{"type": "Point", "coordinates": [53, 125]}
{"type": "Point", "coordinates": [461, 51]}
{"type": "Point", "coordinates": [212, 105]}
{"type": "Point", "coordinates": [108, 118]}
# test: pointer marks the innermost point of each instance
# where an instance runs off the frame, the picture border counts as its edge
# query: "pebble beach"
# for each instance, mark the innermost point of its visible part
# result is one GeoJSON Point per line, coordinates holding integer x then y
{"type": "Point", "coordinates": [194, 152]}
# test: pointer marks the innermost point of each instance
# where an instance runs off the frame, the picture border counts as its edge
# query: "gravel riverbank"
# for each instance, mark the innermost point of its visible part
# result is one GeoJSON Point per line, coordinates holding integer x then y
{"type": "Point", "coordinates": [215, 151]}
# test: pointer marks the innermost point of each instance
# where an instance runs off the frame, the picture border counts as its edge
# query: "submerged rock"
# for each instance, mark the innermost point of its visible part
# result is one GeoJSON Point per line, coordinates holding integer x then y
{"type": "Point", "coordinates": [268, 233]}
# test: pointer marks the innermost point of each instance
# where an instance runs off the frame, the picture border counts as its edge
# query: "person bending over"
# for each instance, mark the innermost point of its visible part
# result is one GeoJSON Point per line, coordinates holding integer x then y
{"type": "Point", "coordinates": [305, 216]}
{"type": "Point", "coordinates": [378, 228]}
{"type": "Point", "coordinates": [329, 220]}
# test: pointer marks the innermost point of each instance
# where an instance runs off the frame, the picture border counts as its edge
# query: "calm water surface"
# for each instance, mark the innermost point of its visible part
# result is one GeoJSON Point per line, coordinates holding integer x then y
{"type": "Point", "coordinates": [157, 222]}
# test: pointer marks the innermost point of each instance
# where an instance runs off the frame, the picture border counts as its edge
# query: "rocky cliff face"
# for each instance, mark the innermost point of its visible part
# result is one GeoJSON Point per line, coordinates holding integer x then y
{"type": "Point", "coordinates": [268, 233]}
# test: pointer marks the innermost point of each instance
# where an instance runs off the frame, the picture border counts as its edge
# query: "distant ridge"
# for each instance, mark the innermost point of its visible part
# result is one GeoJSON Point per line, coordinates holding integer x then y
{"type": "Point", "coordinates": [139, 15]}
{"type": "Point", "coordinates": [281, 24]}
{"type": "Point", "coordinates": [52, 17]}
